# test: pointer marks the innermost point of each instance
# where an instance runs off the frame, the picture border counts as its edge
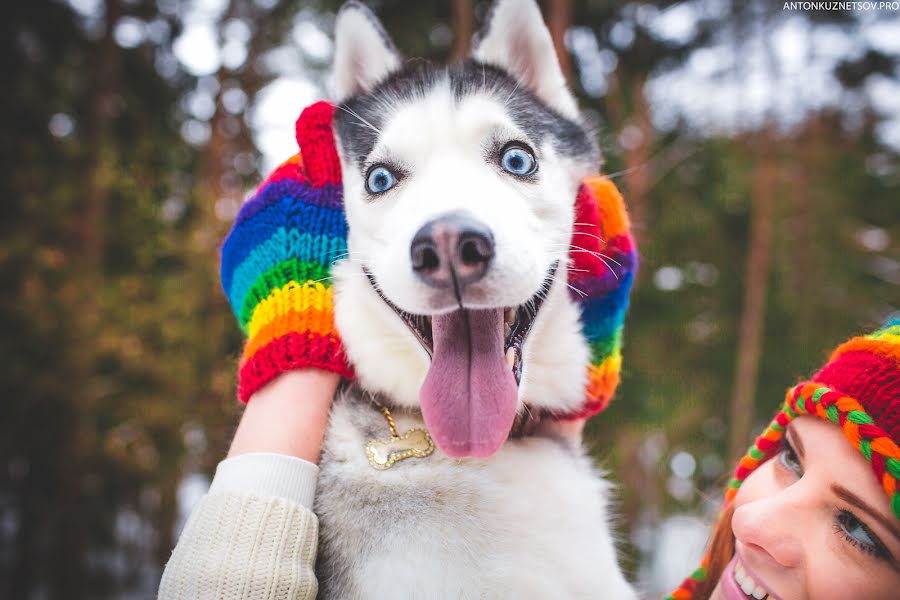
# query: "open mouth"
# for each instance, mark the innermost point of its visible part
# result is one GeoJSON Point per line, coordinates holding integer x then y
{"type": "Point", "coordinates": [469, 397]}
{"type": "Point", "coordinates": [517, 322]}
{"type": "Point", "coordinates": [739, 584]}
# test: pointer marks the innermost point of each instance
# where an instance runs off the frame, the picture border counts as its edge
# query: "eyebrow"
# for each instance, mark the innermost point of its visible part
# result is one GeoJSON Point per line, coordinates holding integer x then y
{"type": "Point", "coordinates": [851, 498]}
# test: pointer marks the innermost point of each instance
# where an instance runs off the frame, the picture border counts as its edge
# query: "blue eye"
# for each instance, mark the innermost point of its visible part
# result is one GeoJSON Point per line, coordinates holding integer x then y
{"type": "Point", "coordinates": [858, 534]}
{"type": "Point", "coordinates": [788, 458]}
{"type": "Point", "coordinates": [518, 161]}
{"type": "Point", "coordinates": [379, 180]}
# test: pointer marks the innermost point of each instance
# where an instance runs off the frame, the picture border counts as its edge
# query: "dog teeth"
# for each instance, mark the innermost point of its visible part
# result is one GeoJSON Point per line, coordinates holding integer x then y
{"type": "Point", "coordinates": [506, 331]}
{"type": "Point", "coordinates": [511, 358]}
{"type": "Point", "coordinates": [510, 316]}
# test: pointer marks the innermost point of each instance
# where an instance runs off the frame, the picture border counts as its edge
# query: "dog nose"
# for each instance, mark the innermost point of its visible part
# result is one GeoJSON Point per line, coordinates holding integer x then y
{"type": "Point", "coordinates": [452, 250]}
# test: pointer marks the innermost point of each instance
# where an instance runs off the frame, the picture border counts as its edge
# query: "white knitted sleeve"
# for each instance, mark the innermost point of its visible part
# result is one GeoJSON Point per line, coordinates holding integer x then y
{"type": "Point", "coordinates": [252, 537]}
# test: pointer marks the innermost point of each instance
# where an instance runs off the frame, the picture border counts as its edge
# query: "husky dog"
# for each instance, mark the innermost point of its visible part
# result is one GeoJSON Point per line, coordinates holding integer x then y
{"type": "Point", "coordinates": [459, 188]}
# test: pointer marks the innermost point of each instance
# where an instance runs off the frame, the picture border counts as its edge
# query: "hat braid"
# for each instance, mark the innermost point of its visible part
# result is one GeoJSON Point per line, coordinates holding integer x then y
{"type": "Point", "coordinates": [811, 398]}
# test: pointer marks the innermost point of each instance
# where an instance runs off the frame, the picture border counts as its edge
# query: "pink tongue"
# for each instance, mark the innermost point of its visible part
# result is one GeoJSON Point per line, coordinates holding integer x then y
{"type": "Point", "coordinates": [469, 395]}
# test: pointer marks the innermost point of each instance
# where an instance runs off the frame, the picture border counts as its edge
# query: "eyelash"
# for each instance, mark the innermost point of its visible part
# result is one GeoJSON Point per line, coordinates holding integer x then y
{"type": "Point", "coordinates": [877, 550]}
{"type": "Point", "coordinates": [783, 457]}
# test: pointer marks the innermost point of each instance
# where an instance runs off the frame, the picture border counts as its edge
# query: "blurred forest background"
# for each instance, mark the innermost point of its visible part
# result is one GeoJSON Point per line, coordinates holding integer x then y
{"type": "Point", "coordinates": [757, 147]}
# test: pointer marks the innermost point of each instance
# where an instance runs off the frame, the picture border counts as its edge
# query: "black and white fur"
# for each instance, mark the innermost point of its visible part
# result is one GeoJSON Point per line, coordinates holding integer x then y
{"type": "Point", "coordinates": [532, 521]}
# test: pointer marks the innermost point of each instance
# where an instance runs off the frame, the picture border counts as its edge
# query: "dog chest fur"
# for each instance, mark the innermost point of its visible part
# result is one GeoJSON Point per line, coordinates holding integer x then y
{"type": "Point", "coordinates": [531, 522]}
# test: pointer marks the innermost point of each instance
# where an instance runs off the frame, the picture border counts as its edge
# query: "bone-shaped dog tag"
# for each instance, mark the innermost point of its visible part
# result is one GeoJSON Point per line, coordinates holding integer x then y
{"type": "Point", "coordinates": [384, 453]}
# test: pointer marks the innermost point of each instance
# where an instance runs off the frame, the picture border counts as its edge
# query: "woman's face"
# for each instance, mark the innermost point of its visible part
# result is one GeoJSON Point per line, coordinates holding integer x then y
{"type": "Point", "coordinates": [813, 523]}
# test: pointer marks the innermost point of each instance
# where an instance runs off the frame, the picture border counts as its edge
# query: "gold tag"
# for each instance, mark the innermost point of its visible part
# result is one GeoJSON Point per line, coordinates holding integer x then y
{"type": "Point", "coordinates": [384, 453]}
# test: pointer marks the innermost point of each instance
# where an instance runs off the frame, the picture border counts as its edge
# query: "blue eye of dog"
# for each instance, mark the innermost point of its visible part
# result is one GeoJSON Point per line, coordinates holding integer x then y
{"type": "Point", "coordinates": [518, 161]}
{"type": "Point", "coordinates": [379, 180]}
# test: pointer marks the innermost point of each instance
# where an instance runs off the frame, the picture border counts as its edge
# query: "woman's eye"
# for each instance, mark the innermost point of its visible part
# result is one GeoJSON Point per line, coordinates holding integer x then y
{"type": "Point", "coordinates": [379, 180]}
{"type": "Point", "coordinates": [857, 534]}
{"type": "Point", "coordinates": [518, 161]}
{"type": "Point", "coordinates": [789, 460]}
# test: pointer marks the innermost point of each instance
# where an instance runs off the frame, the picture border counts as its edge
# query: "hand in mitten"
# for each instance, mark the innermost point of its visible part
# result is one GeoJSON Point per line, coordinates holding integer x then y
{"type": "Point", "coordinates": [276, 261]}
{"type": "Point", "coordinates": [603, 264]}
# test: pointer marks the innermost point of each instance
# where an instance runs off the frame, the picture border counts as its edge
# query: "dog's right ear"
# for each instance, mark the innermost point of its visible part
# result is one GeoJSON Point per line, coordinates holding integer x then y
{"type": "Point", "coordinates": [364, 54]}
{"type": "Point", "coordinates": [516, 39]}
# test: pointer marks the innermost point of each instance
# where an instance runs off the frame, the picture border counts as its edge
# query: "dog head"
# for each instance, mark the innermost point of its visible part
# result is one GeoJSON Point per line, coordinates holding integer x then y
{"type": "Point", "coordinates": [459, 188]}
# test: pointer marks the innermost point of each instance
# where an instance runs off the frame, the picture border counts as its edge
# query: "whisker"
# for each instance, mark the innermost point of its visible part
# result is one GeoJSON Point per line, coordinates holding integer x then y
{"type": "Point", "coordinates": [601, 258]}
{"type": "Point", "coordinates": [628, 170]}
{"type": "Point", "coordinates": [353, 261]}
{"type": "Point", "coordinates": [530, 413]}
{"type": "Point", "coordinates": [665, 159]}
{"type": "Point", "coordinates": [573, 247]}
{"type": "Point", "coordinates": [511, 94]}
{"type": "Point", "coordinates": [353, 113]}
{"type": "Point", "coordinates": [590, 235]}
{"type": "Point", "coordinates": [576, 290]}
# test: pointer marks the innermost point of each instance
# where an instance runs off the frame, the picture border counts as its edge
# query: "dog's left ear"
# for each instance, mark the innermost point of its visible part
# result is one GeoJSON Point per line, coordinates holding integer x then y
{"type": "Point", "coordinates": [516, 39]}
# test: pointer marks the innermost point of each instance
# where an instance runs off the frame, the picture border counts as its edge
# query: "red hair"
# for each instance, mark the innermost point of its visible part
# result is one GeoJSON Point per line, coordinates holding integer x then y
{"type": "Point", "coordinates": [721, 551]}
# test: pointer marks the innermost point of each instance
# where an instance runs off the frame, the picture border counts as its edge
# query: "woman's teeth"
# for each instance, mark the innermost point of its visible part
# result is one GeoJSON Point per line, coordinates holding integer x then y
{"type": "Point", "coordinates": [749, 585]}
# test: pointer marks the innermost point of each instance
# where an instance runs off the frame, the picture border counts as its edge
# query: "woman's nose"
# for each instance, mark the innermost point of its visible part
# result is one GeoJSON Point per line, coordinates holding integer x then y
{"type": "Point", "coordinates": [775, 527]}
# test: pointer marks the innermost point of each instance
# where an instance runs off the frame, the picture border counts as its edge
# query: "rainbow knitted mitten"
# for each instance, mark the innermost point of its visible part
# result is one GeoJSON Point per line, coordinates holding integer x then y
{"type": "Point", "coordinates": [277, 258]}
{"type": "Point", "coordinates": [603, 262]}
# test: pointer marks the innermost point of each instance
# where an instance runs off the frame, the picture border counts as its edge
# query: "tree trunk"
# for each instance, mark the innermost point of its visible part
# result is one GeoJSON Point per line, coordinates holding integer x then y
{"type": "Point", "coordinates": [70, 543]}
{"type": "Point", "coordinates": [756, 277]}
{"type": "Point", "coordinates": [801, 259]}
{"type": "Point", "coordinates": [637, 154]}
{"type": "Point", "coordinates": [629, 115]}
{"type": "Point", "coordinates": [26, 557]}
{"type": "Point", "coordinates": [463, 19]}
{"type": "Point", "coordinates": [559, 20]}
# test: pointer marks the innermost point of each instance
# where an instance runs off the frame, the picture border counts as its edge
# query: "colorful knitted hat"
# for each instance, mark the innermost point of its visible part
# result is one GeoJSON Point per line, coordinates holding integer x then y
{"type": "Point", "coordinates": [858, 390]}
{"type": "Point", "coordinates": [276, 264]}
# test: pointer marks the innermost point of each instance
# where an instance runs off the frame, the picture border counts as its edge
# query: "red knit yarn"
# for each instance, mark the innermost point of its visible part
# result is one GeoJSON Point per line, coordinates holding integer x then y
{"type": "Point", "coordinates": [297, 350]}
{"type": "Point", "coordinates": [289, 170]}
{"type": "Point", "coordinates": [873, 379]}
{"type": "Point", "coordinates": [316, 141]}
